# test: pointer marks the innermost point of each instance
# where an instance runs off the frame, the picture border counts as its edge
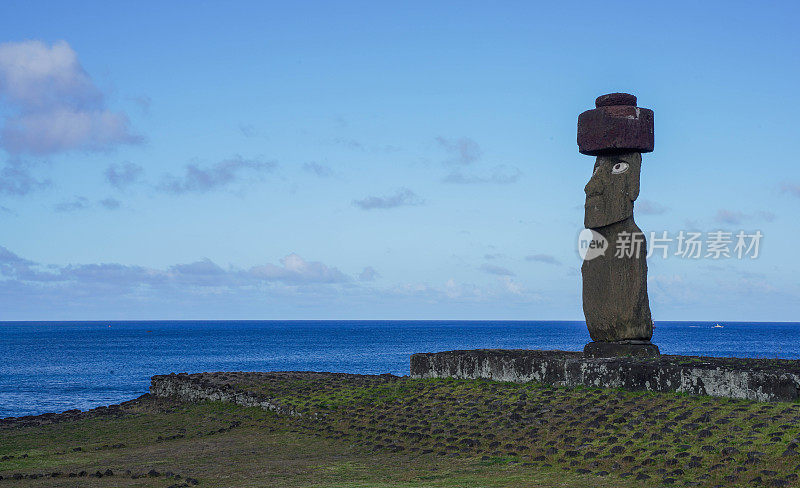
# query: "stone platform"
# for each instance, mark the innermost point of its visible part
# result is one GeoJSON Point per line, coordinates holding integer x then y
{"type": "Point", "coordinates": [741, 378]}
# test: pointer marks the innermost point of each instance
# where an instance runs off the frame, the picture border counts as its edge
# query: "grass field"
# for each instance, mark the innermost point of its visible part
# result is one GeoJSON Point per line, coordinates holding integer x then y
{"type": "Point", "coordinates": [358, 431]}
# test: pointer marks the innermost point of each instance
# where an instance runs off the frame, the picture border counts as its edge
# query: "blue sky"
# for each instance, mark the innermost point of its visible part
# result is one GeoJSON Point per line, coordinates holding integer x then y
{"type": "Point", "coordinates": [367, 160]}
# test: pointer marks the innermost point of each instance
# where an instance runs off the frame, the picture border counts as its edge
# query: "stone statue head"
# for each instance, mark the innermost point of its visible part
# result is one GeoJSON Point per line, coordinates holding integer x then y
{"type": "Point", "coordinates": [612, 189]}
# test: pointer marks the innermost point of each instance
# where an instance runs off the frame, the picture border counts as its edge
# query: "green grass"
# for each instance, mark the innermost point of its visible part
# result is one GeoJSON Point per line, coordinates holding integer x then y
{"type": "Point", "coordinates": [386, 431]}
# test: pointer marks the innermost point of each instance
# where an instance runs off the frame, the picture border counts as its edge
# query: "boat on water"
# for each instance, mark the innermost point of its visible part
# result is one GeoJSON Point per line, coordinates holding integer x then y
{"type": "Point", "coordinates": [717, 326]}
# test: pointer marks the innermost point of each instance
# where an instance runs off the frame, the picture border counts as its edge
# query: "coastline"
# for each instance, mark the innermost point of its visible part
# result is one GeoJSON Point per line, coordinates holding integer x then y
{"type": "Point", "coordinates": [53, 367]}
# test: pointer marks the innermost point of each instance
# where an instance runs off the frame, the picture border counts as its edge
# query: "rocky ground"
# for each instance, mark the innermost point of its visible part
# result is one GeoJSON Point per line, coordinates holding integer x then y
{"type": "Point", "coordinates": [353, 430]}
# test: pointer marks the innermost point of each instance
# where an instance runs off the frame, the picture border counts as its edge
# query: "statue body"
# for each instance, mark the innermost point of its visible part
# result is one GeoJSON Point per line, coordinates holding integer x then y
{"type": "Point", "coordinates": [615, 301]}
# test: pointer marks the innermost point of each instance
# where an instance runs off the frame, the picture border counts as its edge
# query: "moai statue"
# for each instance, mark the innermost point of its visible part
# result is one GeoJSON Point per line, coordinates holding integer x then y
{"type": "Point", "coordinates": [615, 299]}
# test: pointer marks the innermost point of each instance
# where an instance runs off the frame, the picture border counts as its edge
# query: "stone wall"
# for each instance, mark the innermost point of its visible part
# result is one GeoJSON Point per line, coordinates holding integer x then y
{"type": "Point", "coordinates": [205, 387]}
{"type": "Point", "coordinates": [257, 389]}
{"type": "Point", "coordinates": [751, 379]}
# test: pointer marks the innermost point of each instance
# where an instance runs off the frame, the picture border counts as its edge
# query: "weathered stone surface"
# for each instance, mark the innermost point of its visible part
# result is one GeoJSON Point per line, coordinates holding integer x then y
{"type": "Point", "coordinates": [244, 388]}
{"type": "Point", "coordinates": [188, 388]}
{"type": "Point", "coordinates": [621, 348]}
{"type": "Point", "coordinates": [615, 99]}
{"type": "Point", "coordinates": [751, 379]}
{"type": "Point", "coordinates": [610, 129]}
{"type": "Point", "coordinates": [612, 189]}
{"type": "Point", "coordinates": [615, 301]}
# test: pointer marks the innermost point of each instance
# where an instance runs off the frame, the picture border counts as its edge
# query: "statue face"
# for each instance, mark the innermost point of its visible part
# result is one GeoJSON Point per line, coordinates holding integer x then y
{"type": "Point", "coordinates": [612, 189]}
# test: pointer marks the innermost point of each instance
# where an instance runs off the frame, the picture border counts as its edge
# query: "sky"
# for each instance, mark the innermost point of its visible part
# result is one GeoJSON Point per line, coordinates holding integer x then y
{"type": "Point", "coordinates": [383, 160]}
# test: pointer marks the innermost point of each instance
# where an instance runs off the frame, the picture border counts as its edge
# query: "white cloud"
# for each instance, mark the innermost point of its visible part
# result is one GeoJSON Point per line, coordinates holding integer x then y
{"type": "Point", "coordinates": [198, 179]}
{"type": "Point", "coordinates": [500, 175]}
{"type": "Point", "coordinates": [122, 175]}
{"type": "Point", "coordinates": [201, 273]}
{"type": "Point", "coordinates": [368, 274]}
{"type": "Point", "coordinates": [512, 286]}
{"type": "Point", "coordinates": [461, 291]}
{"type": "Point", "coordinates": [296, 270]}
{"type": "Point", "coordinates": [248, 130]}
{"type": "Point", "coordinates": [63, 129]}
{"type": "Point", "coordinates": [77, 203]}
{"type": "Point", "coordinates": [729, 216]}
{"type": "Point", "coordinates": [736, 217]}
{"type": "Point", "coordinates": [543, 258]}
{"type": "Point", "coordinates": [83, 203]}
{"type": "Point", "coordinates": [318, 169]}
{"type": "Point", "coordinates": [463, 151]}
{"type": "Point", "coordinates": [496, 270]}
{"type": "Point", "coordinates": [16, 179]}
{"type": "Point", "coordinates": [791, 188]}
{"type": "Point", "coordinates": [401, 197]}
{"type": "Point", "coordinates": [110, 203]}
{"type": "Point", "coordinates": [504, 289]}
{"type": "Point", "coordinates": [54, 104]}
{"type": "Point", "coordinates": [650, 207]}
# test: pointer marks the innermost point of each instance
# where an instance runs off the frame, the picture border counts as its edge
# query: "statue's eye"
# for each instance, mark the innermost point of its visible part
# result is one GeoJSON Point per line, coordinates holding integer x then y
{"type": "Point", "coordinates": [619, 168]}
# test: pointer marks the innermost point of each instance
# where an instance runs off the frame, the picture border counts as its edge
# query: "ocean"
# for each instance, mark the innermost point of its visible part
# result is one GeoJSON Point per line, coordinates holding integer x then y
{"type": "Point", "coordinates": [57, 366]}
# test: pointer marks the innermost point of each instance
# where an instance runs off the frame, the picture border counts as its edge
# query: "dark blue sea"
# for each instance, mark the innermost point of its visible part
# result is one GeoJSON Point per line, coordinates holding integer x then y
{"type": "Point", "coordinates": [57, 366]}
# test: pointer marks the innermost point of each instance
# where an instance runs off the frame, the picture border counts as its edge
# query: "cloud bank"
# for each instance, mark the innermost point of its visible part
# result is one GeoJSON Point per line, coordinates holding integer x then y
{"type": "Point", "coordinates": [291, 270]}
{"type": "Point", "coordinates": [291, 287]}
